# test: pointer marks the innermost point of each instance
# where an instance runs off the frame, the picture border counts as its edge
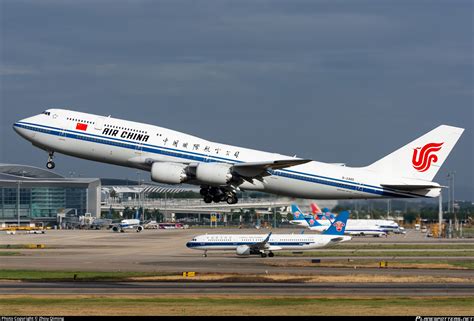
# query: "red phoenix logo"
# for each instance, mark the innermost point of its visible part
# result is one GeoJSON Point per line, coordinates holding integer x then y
{"type": "Point", "coordinates": [424, 156]}
{"type": "Point", "coordinates": [339, 225]}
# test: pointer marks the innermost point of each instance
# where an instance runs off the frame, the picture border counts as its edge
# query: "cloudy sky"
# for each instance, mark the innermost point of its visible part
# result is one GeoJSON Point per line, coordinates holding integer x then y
{"type": "Point", "coordinates": [336, 81]}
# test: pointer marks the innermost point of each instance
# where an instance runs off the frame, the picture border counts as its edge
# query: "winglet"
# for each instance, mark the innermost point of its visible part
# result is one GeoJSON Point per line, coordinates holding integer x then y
{"type": "Point", "coordinates": [339, 225]}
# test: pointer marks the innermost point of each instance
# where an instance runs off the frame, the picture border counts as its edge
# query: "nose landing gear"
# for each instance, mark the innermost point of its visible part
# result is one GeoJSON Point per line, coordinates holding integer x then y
{"type": "Point", "coordinates": [50, 164]}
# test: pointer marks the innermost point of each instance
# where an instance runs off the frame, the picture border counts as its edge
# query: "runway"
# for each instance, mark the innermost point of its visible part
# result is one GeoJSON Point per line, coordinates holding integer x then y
{"type": "Point", "coordinates": [278, 289]}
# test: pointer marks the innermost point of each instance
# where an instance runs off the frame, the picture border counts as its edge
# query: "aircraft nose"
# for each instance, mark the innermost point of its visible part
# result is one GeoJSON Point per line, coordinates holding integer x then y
{"type": "Point", "coordinates": [20, 129]}
{"type": "Point", "coordinates": [17, 127]}
{"type": "Point", "coordinates": [188, 244]}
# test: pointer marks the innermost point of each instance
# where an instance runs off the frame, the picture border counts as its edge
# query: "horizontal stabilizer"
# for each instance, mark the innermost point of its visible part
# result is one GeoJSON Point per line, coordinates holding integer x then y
{"type": "Point", "coordinates": [411, 187]}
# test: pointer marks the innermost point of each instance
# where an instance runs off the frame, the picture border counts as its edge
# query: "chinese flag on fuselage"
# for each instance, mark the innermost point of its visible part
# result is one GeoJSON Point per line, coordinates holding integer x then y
{"type": "Point", "coordinates": [81, 126]}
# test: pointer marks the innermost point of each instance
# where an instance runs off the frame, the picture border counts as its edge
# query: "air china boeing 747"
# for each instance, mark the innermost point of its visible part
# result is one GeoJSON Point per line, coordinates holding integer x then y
{"type": "Point", "coordinates": [221, 170]}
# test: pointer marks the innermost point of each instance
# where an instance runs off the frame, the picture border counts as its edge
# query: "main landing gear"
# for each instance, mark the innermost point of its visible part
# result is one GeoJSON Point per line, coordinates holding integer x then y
{"type": "Point", "coordinates": [270, 254]}
{"type": "Point", "coordinates": [50, 164]}
{"type": "Point", "coordinates": [216, 195]}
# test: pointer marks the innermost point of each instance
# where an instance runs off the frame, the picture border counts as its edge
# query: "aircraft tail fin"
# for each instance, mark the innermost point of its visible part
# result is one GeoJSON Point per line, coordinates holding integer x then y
{"type": "Point", "coordinates": [339, 225]}
{"type": "Point", "coordinates": [315, 208]}
{"type": "Point", "coordinates": [422, 158]}
{"type": "Point", "coordinates": [297, 214]}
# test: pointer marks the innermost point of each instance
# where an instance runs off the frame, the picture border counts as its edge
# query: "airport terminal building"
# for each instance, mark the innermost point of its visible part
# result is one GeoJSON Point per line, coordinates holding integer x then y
{"type": "Point", "coordinates": [32, 194]}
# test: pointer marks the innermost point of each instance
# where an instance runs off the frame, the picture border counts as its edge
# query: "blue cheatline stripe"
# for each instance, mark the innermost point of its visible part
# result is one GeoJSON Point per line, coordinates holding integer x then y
{"type": "Point", "coordinates": [204, 158]}
{"type": "Point", "coordinates": [198, 244]}
{"type": "Point", "coordinates": [207, 158]}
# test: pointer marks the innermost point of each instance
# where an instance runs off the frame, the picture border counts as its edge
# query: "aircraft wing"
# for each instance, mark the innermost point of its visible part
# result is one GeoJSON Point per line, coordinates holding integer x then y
{"type": "Point", "coordinates": [274, 248]}
{"type": "Point", "coordinates": [253, 169]}
{"type": "Point", "coordinates": [261, 245]}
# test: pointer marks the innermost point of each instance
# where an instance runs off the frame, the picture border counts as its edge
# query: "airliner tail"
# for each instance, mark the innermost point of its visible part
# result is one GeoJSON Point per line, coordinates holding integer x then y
{"type": "Point", "coordinates": [422, 158]}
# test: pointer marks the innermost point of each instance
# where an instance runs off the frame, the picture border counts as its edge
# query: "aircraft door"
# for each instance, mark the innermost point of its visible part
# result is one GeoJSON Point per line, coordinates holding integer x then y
{"type": "Point", "coordinates": [99, 123]}
{"type": "Point", "coordinates": [61, 125]}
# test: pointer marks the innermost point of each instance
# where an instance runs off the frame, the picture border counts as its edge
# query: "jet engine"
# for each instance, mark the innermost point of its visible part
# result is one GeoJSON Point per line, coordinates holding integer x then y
{"type": "Point", "coordinates": [214, 173]}
{"type": "Point", "coordinates": [168, 173]}
{"type": "Point", "coordinates": [115, 229]}
{"type": "Point", "coordinates": [243, 250]}
{"type": "Point", "coordinates": [139, 228]}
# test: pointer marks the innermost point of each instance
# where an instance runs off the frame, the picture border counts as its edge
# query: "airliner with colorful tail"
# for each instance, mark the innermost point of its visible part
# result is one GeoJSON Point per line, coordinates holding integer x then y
{"type": "Point", "coordinates": [221, 170]}
{"type": "Point", "coordinates": [354, 227]}
{"type": "Point", "coordinates": [249, 244]}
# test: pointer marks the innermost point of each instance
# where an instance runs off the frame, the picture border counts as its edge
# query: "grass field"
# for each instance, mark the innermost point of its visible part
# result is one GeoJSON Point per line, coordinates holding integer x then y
{"type": "Point", "coordinates": [374, 263]}
{"type": "Point", "coordinates": [2, 253]}
{"type": "Point", "coordinates": [58, 276]}
{"type": "Point", "coordinates": [232, 305]}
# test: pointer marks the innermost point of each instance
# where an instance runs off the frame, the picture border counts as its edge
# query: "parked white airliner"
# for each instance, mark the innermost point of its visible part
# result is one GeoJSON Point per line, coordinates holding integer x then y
{"type": "Point", "coordinates": [173, 157]}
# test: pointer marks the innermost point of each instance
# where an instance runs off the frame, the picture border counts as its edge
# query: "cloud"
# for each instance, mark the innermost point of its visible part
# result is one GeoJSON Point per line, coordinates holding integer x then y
{"type": "Point", "coordinates": [316, 78]}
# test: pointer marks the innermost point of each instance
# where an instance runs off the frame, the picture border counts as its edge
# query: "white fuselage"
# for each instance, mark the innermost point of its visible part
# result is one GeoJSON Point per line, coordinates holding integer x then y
{"type": "Point", "coordinates": [130, 223]}
{"type": "Point", "coordinates": [354, 226]}
{"type": "Point", "coordinates": [222, 242]}
{"type": "Point", "coordinates": [132, 144]}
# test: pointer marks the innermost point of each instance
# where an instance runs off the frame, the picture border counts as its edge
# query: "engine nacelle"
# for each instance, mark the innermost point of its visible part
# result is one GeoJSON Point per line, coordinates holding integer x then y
{"type": "Point", "coordinates": [214, 173]}
{"type": "Point", "coordinates": [168, 173]}
{"type": "Point", "coordinates": [243, 250]}
{"type": "Point", "coordinates": [115, 229]}
{"type": "Point", "coordinates": [139, 228]}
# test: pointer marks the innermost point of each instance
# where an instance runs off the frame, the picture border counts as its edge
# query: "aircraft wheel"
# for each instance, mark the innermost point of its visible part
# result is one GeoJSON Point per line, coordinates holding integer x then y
{"type": "Point", "coordinates": [214, 191]}
{"type": "Point", "coordinates": [50, 165]}
{"type": "Point", "coordinates": [208, 199]}
{"type": "Point", "coordinates": [204, 191]}
{"type": "Point", "coordinates": [216, 198]}
{"type": "Point", "coordinates": [271, 254]}
{"type": "Point", "coordinates": [232, 199]}
{"type": "Point", "coordinates": [263, 254]}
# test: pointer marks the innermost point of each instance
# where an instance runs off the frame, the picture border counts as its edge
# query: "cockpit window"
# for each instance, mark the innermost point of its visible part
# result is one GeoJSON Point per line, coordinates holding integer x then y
{"type": "Point", "coordinates": [47, 113]}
